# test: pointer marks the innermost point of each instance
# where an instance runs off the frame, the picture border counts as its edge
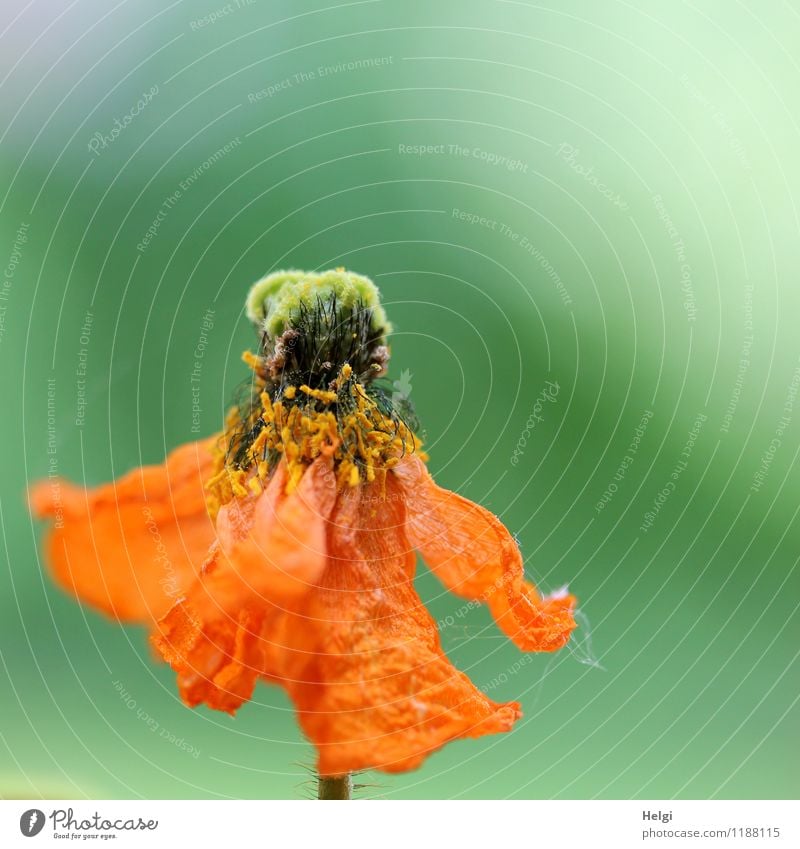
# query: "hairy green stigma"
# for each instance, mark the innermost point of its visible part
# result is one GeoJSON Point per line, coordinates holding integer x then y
{"type": "Point", "coordinates": [276, 302]}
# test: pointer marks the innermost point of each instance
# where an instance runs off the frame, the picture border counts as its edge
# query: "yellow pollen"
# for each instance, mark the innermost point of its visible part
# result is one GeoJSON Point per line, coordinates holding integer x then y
{"type": "Point", "coordinates": [347, 425]}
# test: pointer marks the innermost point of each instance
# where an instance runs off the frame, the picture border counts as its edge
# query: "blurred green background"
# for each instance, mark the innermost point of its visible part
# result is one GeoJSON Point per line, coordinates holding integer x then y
{"type": "Point", "coordinates": [600, 195]}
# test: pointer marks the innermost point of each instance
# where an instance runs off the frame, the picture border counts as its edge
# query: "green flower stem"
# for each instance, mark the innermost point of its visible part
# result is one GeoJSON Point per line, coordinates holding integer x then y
{"type": "Point", "coordinates": [336, 786]}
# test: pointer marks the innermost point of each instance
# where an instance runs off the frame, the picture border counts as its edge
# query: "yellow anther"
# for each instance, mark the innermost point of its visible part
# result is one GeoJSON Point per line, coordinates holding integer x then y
{"type": "Point", "coordinates": [257, 448]}
{"type": "Point", "coordinates": [324, 395]}
{"type": "Point", "coordinates": [354, 476]}
{"type": "Point", "coordinates": [237, 481]}
{"type": "Point", "coordinates": [252, 360]}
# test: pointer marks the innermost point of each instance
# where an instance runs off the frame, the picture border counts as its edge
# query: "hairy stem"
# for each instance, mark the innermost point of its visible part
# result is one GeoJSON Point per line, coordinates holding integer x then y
{"type": "Point", "coordinates": [336, 786]}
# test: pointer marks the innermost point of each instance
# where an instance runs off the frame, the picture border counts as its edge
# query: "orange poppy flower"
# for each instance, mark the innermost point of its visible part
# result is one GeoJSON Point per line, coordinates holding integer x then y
{"type": "Point", "coordinates": [284, 548]}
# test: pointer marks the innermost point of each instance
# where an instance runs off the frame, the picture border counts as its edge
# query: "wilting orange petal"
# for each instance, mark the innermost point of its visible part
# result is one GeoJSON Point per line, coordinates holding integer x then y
{"type": "Point", "coordinates": [272, 547]}
{"type": "Point", "coordinates": [271, 550]}
{"type": "Point", "coordinates": [475, 557]}
{"type": "Point", "coordinates": [219, 661]}
{"type": "Point", "coordinates": [131, 547]}
{"type": "Point", "coordinates": [364, 664]}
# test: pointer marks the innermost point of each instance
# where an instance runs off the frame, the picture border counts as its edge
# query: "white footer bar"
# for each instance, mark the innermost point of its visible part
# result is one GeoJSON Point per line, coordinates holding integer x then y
{"type": "Point", "coordinates": [388, 824]}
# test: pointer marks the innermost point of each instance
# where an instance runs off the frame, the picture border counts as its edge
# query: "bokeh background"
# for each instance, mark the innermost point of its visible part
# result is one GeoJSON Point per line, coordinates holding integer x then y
{"type": "Point", "coordinates": [583, 219]}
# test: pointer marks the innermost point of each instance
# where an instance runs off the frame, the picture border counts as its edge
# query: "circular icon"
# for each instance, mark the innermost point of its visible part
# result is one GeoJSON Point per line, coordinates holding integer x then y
{"type": "Point", "coordinates": [31, 822]}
